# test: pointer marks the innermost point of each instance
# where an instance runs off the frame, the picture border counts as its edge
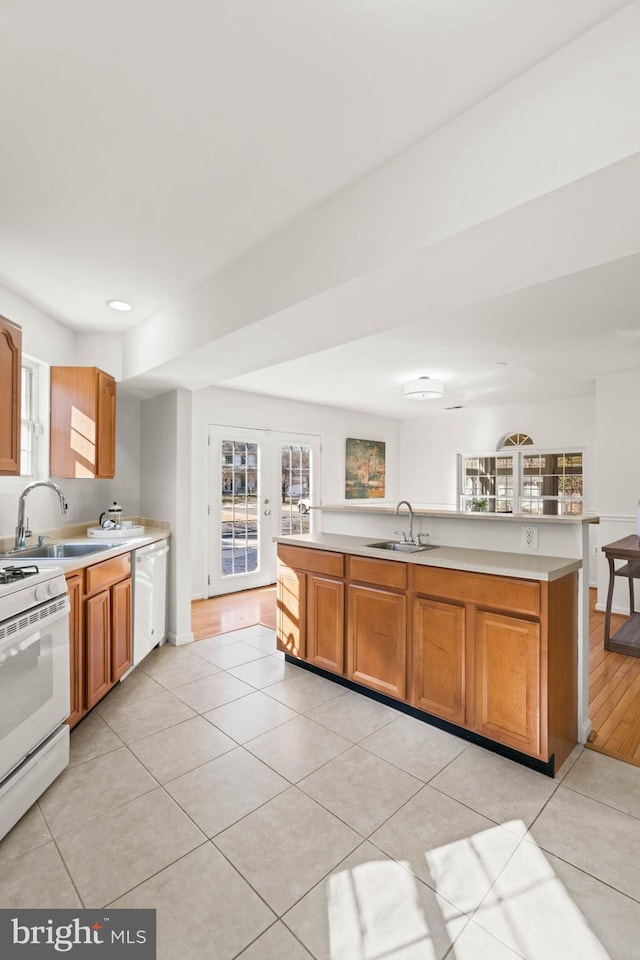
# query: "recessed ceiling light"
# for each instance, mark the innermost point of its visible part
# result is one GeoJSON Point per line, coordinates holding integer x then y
{"type": "Point", "coordinates": [119, 305]}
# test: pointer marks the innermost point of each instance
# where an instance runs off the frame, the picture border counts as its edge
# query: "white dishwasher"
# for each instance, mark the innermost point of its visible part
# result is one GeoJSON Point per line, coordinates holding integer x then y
{"type": "Point", "coordinates": [149, 598]}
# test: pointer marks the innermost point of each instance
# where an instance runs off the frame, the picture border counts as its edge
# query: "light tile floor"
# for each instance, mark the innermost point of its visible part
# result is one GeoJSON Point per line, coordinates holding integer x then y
{"type": "Point", "coordinates": [270, 814]}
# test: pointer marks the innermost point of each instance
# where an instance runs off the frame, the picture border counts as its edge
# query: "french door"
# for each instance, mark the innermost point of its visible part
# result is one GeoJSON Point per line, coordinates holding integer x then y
{"type": "Point", "coordinates": [261, 484]}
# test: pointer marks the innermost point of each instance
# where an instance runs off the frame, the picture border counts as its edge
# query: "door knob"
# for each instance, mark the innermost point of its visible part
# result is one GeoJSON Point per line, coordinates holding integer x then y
{"type": "Point", "coordinates": [267, 513]}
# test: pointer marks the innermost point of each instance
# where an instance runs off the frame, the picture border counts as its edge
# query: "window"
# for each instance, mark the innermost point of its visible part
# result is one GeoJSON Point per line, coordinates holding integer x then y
{"type": "Point", "coordinates": [31, 431]}
{"type": "Point", "coordinates": [487, 483]}
{"type": "Point", "coordinates": [535, 482]}
{"type": "Point", "coordinates": [552, 484]}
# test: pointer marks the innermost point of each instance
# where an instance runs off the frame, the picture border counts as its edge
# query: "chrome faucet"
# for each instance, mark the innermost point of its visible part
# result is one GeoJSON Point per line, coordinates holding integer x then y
{"type": "Point", "coordinates": [410, 520]}
{"type": "Point", "coordinates": [22, 529]}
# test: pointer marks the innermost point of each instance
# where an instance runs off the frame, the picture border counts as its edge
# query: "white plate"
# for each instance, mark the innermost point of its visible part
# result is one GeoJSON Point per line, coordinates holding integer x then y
{"type": "Point", "coordinates": [134, 531]}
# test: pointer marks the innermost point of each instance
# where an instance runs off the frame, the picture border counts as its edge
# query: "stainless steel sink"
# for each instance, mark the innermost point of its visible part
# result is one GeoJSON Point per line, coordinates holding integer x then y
{"type": "Point", "coordinates": [59, 551]}
{"type": "Point", "coordinates": [403, 547]}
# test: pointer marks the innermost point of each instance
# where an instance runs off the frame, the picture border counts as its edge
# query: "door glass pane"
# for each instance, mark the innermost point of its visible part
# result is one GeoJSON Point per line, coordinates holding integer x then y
{"type": "Point", "coordinates": [239, 541]}
{"type": "Point", "coordinates": [295, 474]}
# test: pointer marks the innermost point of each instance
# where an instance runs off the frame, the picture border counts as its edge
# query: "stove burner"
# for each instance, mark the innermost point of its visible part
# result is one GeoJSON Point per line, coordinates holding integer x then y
{"type": "Point", "coordinates": [11, 574]}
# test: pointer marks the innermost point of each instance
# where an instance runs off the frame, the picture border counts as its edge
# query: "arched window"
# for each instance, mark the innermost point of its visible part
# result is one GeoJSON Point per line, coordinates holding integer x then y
{"type": "Point", "coordinates": [515, 440]}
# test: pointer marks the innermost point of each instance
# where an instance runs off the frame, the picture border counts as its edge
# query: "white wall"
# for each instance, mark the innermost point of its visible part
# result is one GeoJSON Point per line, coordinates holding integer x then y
{"type": "Point", "coordinates": [165, 489]}
{"type": "Point", "coordinates": [430, 446]}
{"type": "Point", "coordinates": [618, 472]}
{"type": "Point", "coordinates": [48, 341]}
{"type": "Point", "coordinates": [332, 425]}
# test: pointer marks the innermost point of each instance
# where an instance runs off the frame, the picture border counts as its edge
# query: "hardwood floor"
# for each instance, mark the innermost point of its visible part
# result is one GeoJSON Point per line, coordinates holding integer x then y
{"type": "Point", "coordinates": [614, 679]}
{"type": "Point", "coordinates": [233, 611]}
{"type": "Point", "coordinates": [614, 693]}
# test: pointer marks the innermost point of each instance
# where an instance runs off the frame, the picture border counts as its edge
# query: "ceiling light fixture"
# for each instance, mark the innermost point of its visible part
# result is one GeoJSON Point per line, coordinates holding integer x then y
{"type": "Point", "coordinates": [424, 388]}
{"type": "Point", "coordinates": [119, 305]}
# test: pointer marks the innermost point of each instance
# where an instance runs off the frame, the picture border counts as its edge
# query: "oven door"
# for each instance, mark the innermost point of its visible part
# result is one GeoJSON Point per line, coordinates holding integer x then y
{"type": "Point", "coordinates": [34, 679]}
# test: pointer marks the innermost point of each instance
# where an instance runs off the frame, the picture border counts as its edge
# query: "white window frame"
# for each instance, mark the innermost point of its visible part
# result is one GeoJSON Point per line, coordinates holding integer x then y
{"type": "Point", "coordinates": [37, 424]}
{"type": "Point", "coordinates": [518, 454]}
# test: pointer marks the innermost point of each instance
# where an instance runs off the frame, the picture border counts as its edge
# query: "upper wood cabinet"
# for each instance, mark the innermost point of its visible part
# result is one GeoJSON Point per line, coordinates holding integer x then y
{"type": "Point", "coordinates": [10, 381]}
{"type": "Point", "coordinates": [83, 423]}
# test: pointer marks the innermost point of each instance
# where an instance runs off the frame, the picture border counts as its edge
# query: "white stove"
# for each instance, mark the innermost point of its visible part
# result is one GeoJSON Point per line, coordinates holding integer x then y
{"type": "Point", "coordinates": [26, 585]}
{"type": "Point", "coordinates": [34, 685]}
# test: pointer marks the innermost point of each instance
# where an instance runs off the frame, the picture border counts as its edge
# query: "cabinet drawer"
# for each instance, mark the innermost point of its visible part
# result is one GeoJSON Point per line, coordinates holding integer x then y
{"type": "Point", "coordinates": [384, 573]}
{"type": "Point", "coordinates": [101, 575]}
{"type": "Point", "coordinates": [482, 589]}
{"type": "Point", "coordinates": [315, 561]}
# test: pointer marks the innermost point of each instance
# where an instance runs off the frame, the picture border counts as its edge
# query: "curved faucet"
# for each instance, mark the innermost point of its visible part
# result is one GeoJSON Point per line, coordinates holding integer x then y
{"type": "Point", "coordinates": [22, 531]}
{"type": "Point", "coordinates": [410, 517]}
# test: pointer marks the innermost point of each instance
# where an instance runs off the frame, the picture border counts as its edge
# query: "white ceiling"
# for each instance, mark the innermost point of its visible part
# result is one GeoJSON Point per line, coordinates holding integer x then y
{"type": "Point", "coordinates": [148, 144]}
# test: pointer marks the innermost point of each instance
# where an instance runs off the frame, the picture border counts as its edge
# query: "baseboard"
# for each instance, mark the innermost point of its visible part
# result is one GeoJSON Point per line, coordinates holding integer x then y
{"type": "Point", "coordinates": [179, 639]}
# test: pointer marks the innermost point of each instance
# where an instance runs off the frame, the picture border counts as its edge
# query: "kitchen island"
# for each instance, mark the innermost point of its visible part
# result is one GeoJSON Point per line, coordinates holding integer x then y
{"type": "Point", "coordinates": [481, 643]}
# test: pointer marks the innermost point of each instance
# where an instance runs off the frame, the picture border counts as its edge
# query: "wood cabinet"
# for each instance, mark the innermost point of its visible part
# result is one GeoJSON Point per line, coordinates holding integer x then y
{"type": "Point", "coordinates": [100, 631]}
{"type": "Point", "coordinates": [310, 598]}
{"type": "Point", "coordinates": [507, 681]}
{"type": "Point", "coordinates": [325, 622]}
{"type": "Point", "coordinates": [291, 608]}
{"type": "Point", "coordinates": [503, 658]}
{"type": "Point", "coordinates": [10, 388]}
{"type": "Point", "coordinates": [377, 647]}
{"type": "Point", "coordinates": [98, 647]}
{"type": "Point", "coordinates": [76, 648]}
{"type": "Point", "coordinates": [494, 656]}
{"type": "Point", "coordinates": [439, 658]}
{"type": "Point", "coordinates": [83, 423]}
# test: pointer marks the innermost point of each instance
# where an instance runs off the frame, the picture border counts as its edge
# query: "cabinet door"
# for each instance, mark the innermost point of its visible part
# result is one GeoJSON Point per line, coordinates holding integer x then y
{"type": "Point", "coordinates": [98, 647]}
{"type": "Point", "coordinates": [76, 649]}
{"type": "Point", "coordinates": [106, 436]}
{"type": "Point", "coordinates": [377, 650]}
{"type": "Point", "coordinates": [507, 679]}
{"type": "Point", "coordinates": [83, 403]}
{"type": "Point", "coordinates": [325, 623]}
{"type": "Point", "coordinates": [10, 384]}
{"type": "Point", "coordinates": [439, 658]}
{"type": "Point", "coordinates": [120, 629]}
{"type": "Point", "coordinates": [291, 601]}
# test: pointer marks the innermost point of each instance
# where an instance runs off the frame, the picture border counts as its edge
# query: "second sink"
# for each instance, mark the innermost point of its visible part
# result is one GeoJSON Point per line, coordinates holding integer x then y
{"type": "Point", "coordinates": [402, 546]}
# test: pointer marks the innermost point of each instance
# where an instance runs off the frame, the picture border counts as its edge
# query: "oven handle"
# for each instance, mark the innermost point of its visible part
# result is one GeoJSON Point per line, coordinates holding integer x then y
{"type": "Point", "coordinates": [29, 623]}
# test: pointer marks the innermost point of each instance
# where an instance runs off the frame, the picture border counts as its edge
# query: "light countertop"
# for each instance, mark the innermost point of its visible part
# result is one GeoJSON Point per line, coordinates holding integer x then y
{"type": "Point", "coordinates": [68, 564]}
{"type": "Point", "coordinates": [525, 566]}
{"type": "Point", "coordinates": [421, 510]}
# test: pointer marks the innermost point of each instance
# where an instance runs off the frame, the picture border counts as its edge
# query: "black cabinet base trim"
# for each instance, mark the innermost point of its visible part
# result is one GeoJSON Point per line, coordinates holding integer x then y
{"type": "Point", "coordinates": [540, 766]}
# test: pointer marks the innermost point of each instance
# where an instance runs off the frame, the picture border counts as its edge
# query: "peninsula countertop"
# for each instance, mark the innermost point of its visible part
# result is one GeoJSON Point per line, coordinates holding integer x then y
{"type": "Point", "coordinates": [499, 563]}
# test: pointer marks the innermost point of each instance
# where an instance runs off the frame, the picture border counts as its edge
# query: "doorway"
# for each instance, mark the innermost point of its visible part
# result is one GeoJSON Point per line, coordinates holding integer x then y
{"type": "Point", "coordinates": [261, 484]}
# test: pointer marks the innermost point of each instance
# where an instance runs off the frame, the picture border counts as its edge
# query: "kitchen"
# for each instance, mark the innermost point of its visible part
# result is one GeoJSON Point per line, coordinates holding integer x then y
{"type": "Point", "coordinates": [239, 347]}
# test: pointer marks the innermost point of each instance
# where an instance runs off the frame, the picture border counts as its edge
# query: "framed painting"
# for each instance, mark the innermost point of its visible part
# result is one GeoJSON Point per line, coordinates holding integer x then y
{"type": "Point", "coordinates": [364, 469]}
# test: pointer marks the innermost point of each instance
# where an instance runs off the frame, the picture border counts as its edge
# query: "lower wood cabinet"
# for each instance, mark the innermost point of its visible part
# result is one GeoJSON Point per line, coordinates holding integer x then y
{"type": "Point", "coordinates": [98, 647]}
{"type": "Point", "coordinates": [439, 658]}
{"type": "Point", "coordinates": [325, 622]}
{"type": "Point", "coordinates": [291, 607]}
{"type": "Point", "coordinates": [121, 631]}
{"type": "Point", "coordinates": [507, 681]}
{"type": "Point", "coordinates": [100, 631]}
{"type": "Point", "coordinates": [494, 656]}
{"type": "Point", "coordinates": [76, 648]}
{"type": "Point", "coordinates": [377, 647]}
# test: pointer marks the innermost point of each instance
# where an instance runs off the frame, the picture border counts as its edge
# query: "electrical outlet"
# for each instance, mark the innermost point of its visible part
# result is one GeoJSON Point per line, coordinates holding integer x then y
{"type": "Point", "coordinates": [529, 538]}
